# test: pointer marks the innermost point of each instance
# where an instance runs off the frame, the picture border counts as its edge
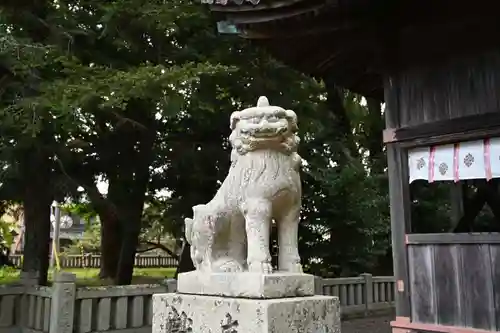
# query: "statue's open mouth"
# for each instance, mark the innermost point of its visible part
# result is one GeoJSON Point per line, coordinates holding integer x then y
{"type": "Point", "coordinates": [265, 133]}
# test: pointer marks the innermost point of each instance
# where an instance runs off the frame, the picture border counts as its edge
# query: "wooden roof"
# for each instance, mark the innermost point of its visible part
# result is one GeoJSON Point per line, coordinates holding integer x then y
{"type": "Point", "coordinates": [356, 42]}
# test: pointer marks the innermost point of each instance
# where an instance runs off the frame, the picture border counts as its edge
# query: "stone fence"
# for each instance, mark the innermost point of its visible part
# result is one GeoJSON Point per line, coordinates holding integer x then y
{"type": "Point", "coordinates": [94, 261]}
{"type": "Point", "coordinates": [359, 295]}
{"type": "Point", "coordinates": [67, 308]}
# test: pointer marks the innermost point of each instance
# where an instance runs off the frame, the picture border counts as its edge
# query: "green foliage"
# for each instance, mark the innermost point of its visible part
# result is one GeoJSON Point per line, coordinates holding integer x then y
{"type": "Point", "coordinates": [139, 93]}
{"type": "Point", "coordinates": [90, 242]}
{"type": "Point", "coordinates": [157, 230]}
{"type": "Point", "coordinates": [10, 213]}
{"type": "Point", "coordinates": [89, 277]}
{"type": "Point", "coordinates": [345, 221]}
{"type": "Point", "coordinates": [8, 275]}
{"type": "Point", "coordinates": [155, 234]}
{"type": "Point", "coordinates": [431, 207]}
{"type": "Point", "coordinates": [6, 234]}
{"type": "Point", "coordinates": [111, 76]}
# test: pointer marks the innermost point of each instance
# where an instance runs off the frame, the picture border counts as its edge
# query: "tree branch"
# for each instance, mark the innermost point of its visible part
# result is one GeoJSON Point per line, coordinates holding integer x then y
{"type": "Point", "coordinates": [145, 250]}
{"type": "Point", "coordinates": [159, 246]}
{"type": "Point", "coordinates": [101, 205]}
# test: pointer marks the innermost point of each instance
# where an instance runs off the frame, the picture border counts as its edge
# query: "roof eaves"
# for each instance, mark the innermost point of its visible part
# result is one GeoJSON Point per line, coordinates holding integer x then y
{"type": "Point", "coordinates": [226, 2]}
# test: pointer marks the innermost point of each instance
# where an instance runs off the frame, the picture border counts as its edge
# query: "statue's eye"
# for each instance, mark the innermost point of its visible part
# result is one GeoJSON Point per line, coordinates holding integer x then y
{"type": "Point", "coordinates": [256, 120]}
{"type": "Point", "coordinates": [273, 119]}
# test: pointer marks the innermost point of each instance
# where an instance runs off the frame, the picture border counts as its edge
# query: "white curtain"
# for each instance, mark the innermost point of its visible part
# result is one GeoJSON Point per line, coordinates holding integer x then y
{"type": "Point", "coordinates": [467, 160]}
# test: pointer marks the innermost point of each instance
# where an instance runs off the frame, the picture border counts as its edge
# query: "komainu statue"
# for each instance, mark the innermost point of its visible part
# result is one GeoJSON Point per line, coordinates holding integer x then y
{"type": "Point", "coordinates": [231, 233]}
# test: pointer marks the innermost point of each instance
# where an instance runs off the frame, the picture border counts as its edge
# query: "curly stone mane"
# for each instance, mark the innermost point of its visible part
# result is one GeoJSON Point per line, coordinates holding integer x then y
{"type": "Point", "coordinates": [271, 132]}
{"type": "Point", "coordinates": [264, 170]}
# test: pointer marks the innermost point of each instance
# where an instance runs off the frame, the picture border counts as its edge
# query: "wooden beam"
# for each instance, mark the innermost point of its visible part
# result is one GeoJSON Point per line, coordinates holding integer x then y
{"type": "Point", "coordinates": [446, 238]}
{"type": "Point", "coordinates": [400, 326]}
{"type": "Point", "coordinates": [294, 33]}
{"type": "Point", "coordinates": [262, 6]}
{"type": "Point", "coordinates": [399, 196]}
{"type": "Point", "coordinates": [271, 16]}
{"type": "Point", "coordinates": [446, 131]}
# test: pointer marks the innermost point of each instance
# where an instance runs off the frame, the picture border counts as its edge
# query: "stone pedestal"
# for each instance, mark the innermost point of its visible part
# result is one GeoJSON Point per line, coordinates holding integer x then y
{"type": "Point", "coordinates": [246, 285]}
{"type": "Point", "coordinates": [245, 303]}
{"type": "Point", "coordinates": [181, 313]}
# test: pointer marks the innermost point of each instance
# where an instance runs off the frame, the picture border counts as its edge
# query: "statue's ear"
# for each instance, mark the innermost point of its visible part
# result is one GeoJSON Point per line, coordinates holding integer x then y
{"type": "Point", "coordinates": [188, 227]}
{"type": "Point", "coordinates": [197, 210]}
{"type": "Point", "coordinates": [235, 117]}
{"type": "Point", "coordinates": [292, 118]}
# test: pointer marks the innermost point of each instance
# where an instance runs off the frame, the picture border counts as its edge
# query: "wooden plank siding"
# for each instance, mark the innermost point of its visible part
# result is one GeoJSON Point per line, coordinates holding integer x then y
{"type": "Point", "coordinates": [453, 284]}
{"type": "Point", "coordinates": [446, 272]}
{"type": "Point", "coordinates": [445, 131]}
{"type": "Point", "coordinates": [464, 86]}
{"type": "Point", "coordinates": [445, 102]}
{"type": "Point", "coordinates": [422, 284]}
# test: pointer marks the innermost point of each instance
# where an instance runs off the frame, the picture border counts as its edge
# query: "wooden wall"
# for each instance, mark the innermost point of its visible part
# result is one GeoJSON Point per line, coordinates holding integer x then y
{"type": "Point", "coordinates": [455, 279]}
{"type": "Point", "coordinates": [442, 91]}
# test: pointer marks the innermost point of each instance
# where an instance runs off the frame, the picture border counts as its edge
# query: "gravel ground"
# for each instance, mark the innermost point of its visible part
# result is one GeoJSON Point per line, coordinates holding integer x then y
{"type": "Point", "coordinates": [367, 325]}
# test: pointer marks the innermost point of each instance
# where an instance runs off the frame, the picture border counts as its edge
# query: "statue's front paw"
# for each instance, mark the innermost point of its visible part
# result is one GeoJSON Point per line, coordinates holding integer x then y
{"type": "Point", "coordinates": [260, 267]}
{"type": "Point", "coordinates": [229, 266]}
{"type": "Point", "coordinates": [292, 268]}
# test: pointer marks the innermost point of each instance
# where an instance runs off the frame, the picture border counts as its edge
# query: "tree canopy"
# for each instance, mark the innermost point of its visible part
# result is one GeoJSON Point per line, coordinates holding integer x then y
{"type": "Point", "coordinates": [137, 94]}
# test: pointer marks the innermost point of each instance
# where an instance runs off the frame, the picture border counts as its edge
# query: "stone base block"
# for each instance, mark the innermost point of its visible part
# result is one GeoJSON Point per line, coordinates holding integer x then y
{"type": "Point", "coordinates": [181, 313]}
{"type": "Point", "coordinates": [248, 285]}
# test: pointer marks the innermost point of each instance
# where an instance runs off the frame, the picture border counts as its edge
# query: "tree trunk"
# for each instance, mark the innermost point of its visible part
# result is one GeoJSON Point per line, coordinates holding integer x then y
{"type": "Point", "coordinates": [111, 242]}
{"type": "Point", "coordinates": [35, 165]}
{"type": "Point", "coordinates": [185, 263]}
{"type": "Point", "coordinates": [341, 133]}
{"type": "Point", "coordinates": [130, 212]}
{"type": "Point", "coordinates": [128, 249]}
{"type": "Point", "coordinates": [111, 235]}
{"type": "Point", "coordinates": [37, 201]}
{"type": "Point", "coordinates": [136, 181]}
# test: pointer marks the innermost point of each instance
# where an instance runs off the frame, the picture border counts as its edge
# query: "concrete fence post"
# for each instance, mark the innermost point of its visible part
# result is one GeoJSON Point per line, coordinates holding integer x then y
{"type": "Point", "coordinates": [28, 280]}
{"type": "Point", "coordinates": [171, 285]}
{"type": "Point", "coordinates": [318, 285]}
{"type": "Point", "coordinates": [63, 303]}
{"type": "Point", "coordinates": [368, 291]}
{"type": "Point", "coordinates": [88, 260]}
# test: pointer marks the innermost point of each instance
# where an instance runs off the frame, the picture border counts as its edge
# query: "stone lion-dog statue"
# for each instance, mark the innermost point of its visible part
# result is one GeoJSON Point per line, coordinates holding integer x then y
{"type": "Point", "coordinates": [231, 233]}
